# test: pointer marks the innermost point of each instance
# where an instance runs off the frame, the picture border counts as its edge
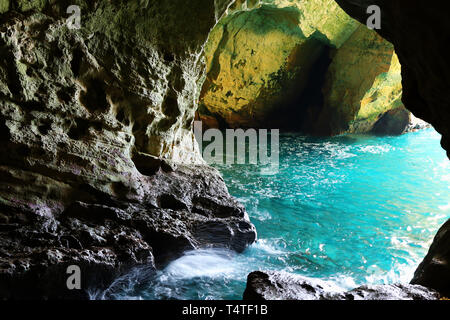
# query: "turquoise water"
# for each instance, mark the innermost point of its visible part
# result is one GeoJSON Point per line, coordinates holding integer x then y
{"type": "Point", "coordinates": [349, 210]}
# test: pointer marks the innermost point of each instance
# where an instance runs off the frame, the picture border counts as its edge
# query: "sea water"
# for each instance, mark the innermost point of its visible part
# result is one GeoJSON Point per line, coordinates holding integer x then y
{"type": "Point", "coordinates": [348, 210]}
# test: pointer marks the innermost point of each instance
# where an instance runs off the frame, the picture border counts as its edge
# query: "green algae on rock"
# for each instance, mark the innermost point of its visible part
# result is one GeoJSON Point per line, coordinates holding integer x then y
{"type": "Point", "coordinates": [244, 78]}
{"type": "Point", "coordinates": [4, 6]}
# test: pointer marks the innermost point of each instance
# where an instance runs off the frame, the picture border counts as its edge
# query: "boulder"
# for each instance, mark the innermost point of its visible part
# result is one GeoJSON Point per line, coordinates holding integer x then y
{"type": "Point", "coordinates": [434, 271]}
{"type": "Point", "coordinates": [284, 286]}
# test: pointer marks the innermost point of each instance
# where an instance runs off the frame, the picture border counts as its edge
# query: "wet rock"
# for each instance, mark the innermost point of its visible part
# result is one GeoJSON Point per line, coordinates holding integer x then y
{"type": "Point", "coordinates": [108, 236]}
{"type": "Point", "coordinates": [392, 122]}
{"type": "Point", "coordinates": [434, 271]}
{"type": "Point", "coordinates": [284, 286]}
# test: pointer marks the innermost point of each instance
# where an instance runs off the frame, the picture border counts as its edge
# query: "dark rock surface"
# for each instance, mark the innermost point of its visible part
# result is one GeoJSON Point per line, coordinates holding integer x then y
{"type": "Point", "coordinates": [419, 31]}
{"type": "Point", "coordinates": [434, 271]}
{"type": "Point", "coordinates": [98, 162]}
{"type": "Point", "coordinates": [185, 209]}
{"type": "Point", "coordinates": [284, 286]}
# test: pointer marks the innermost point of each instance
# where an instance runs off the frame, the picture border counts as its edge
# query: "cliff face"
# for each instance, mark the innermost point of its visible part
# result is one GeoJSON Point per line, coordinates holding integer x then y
{"type": "Point", "coordinates": [284, 286]}
{"type": "Point", "coordinates": [302, 65]}
{"type": "Point", "coordinates": [362, 83]}
{"type": "Point", "coordinates": [98, 162]}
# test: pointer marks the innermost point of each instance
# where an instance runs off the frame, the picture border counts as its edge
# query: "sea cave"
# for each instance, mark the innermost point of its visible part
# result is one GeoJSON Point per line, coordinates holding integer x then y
{"type": "Point", "coordinates": [102, 171]}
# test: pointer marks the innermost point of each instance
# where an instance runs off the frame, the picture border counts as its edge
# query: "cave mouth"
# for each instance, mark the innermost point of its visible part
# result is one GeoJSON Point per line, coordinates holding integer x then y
{"type": "Point", "coordinates": [296, 110]}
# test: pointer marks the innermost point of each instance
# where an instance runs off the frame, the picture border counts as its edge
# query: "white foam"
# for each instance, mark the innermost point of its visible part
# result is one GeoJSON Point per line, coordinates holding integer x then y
{"type": "Point", "coordinates": [201, 263]}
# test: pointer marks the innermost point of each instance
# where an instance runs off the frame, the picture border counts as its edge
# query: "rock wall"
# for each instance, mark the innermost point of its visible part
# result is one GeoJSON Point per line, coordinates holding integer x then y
{"type": "Point", "coordinates": [362, 83]}
{"type": "Point", "coordinates": [302, 65]}
{"type": "Point", "coordinates": [98, 162]}
{"type": "Point", "coordinates": [434, 271]}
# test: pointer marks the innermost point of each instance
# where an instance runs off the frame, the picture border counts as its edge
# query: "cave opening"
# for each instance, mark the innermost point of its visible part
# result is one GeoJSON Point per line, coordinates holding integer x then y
{"type": "Point", "coordinates": [298, 110]}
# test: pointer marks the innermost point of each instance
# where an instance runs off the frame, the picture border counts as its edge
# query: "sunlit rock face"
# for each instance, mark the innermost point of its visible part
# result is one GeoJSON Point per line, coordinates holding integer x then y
{"type": "Point", "coordinates": [98, 162]}
{"type": "Point", "coordinates": [301, 65]}
{"type": "Point", "coordinates": [426, 93]}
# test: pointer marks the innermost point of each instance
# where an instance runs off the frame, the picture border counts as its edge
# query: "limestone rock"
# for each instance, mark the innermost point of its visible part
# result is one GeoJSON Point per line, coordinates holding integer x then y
{"type": "Point", "coordinates": [362, 83]}
{"type": "Point", "coordinates": [260, 60]}
{"type": "Point", "coordinates": [393, 122]}
{"type": "Point", "coordinates": [283, 286]}
{"type": "Point", "coordinates": [298, 65]}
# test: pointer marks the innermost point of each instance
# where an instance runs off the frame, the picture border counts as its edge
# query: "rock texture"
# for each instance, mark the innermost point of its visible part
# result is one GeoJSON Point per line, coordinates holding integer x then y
{"type": "Point", "coordinates": [298, 65]}
{"type": "Point", "coordinates": [362, 84]}
{"type": "Point", "coordinates": [434, 271]}
{"type": "Point", "coordinates": [98, 162]}
{"type": "Point", "coordinates": [425, 65]}
{"type": "Point", "coordinates": [284, 286]}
